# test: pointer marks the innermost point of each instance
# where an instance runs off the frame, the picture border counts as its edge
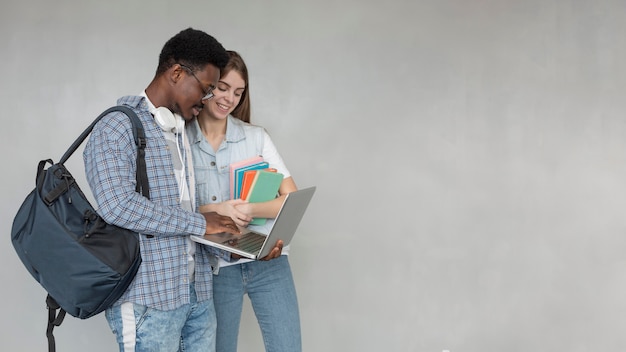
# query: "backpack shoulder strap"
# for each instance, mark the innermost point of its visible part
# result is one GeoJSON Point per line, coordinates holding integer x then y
{"type": "Point", "coordinates": [140, 141]}
{"type": "Point", "coordinates": [54, 319]}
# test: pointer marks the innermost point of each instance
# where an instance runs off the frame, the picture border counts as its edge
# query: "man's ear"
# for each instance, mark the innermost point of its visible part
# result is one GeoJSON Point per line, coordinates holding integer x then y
{"type": "Point", "coordinates": [175, 74]}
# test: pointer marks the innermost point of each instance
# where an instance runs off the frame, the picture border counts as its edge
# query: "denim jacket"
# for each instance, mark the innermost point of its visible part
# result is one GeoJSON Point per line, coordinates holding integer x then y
{"type": "Point", "coordinates": [242, 141]}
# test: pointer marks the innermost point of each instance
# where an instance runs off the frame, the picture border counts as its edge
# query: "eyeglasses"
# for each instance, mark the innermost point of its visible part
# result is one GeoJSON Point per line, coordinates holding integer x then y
{"type": "Point", "coordinates": [207, 94]}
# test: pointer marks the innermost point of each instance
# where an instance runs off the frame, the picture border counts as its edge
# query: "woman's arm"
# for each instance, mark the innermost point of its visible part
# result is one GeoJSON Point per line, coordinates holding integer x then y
{"type": "Point", "coordinates": [270, 208]}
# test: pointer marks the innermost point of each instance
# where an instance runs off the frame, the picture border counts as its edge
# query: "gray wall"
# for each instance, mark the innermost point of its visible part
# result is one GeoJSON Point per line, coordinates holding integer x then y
{"type": "Point", "coordinates": [471, 154]}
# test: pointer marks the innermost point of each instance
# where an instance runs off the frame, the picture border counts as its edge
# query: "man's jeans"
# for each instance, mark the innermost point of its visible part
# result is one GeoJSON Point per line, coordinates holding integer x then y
{"type": "Point", "coordinates": [190, 328]}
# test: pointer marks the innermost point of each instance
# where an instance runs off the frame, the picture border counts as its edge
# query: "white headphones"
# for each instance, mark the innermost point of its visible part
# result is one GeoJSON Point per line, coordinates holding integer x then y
{"type": "Point", "coordinates": [168, 121]}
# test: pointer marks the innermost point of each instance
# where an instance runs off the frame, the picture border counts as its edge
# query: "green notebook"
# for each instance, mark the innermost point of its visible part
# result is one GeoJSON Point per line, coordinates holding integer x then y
{"type": "Point", "coordinates": [264, 188]}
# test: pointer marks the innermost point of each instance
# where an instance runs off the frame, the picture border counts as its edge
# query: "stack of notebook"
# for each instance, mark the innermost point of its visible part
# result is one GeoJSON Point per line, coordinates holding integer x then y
{"type": "Point", "coordinates": [253, 180]}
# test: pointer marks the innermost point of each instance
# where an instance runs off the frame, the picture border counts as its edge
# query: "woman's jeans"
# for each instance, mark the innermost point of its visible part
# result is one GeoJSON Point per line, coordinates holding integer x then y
{"type": "Point", "coordinates": [270, 287]}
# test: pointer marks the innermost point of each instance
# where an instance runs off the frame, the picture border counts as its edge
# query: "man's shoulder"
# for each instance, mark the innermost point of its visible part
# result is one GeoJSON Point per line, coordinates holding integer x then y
{"type": "Point", "coordinates": [116, 123]}
{"type": "Point", "coordinates": [136, 102]}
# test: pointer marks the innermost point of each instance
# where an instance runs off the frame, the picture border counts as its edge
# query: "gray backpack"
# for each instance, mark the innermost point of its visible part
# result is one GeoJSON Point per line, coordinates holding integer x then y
{"type": "Point", "coordinates": [83, 263]}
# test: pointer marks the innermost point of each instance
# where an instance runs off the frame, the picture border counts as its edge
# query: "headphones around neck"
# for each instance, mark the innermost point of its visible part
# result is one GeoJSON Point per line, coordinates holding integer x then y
{"type": "Point", "coordinates": [168, 121]}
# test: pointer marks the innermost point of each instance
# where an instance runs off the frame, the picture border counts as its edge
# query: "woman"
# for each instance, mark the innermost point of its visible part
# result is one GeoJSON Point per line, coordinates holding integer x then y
{"type": "Point", "coordinates": [222, 135]}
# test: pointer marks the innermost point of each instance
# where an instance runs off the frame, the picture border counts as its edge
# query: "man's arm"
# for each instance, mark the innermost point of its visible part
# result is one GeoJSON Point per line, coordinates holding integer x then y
{"type": "Point", "coordinates": [110, 167]}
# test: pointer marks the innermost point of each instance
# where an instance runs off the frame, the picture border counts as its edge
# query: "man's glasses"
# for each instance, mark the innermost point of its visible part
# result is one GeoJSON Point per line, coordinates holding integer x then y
{"type": "Point", "coordinates": [207, 94]}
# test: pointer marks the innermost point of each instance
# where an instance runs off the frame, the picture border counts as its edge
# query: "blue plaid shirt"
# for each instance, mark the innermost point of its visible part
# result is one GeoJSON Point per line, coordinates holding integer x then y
{"type": "Point", "coordinates": [110, 166]}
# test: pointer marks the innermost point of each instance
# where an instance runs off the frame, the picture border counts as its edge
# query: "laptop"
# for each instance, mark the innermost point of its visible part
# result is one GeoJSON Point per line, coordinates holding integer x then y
{"type": "Point", "coordinates": [256, 245]}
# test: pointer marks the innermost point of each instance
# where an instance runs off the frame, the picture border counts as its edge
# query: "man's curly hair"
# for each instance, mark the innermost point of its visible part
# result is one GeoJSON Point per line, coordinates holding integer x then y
{"type": "Point", "coordinates": [193, 48]}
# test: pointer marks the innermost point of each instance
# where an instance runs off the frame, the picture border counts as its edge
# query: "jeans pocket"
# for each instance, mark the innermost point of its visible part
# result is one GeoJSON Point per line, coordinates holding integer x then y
{"type": "Point", "coordinates": [141, 313]}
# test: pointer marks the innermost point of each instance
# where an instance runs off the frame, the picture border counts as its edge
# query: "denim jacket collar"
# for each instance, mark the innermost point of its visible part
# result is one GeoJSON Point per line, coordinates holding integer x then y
{"type": "Point", "coordinates": [234, 131]}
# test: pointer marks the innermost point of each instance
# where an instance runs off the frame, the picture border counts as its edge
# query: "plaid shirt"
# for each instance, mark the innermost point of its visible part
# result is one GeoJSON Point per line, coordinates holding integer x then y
{"type": "Point", "coordinates": [110, 166]}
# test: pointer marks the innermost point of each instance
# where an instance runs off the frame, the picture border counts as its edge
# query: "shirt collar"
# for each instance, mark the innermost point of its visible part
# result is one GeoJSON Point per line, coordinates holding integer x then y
{"type": "Point", "coordinates": [151, 106]}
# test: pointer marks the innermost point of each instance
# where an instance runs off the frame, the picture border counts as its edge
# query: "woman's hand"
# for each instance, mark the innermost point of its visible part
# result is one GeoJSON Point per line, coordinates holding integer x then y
{"type": "Point", "coordinates": [245, 208]}
{"type": "Point", "coordinates": [231, 209]}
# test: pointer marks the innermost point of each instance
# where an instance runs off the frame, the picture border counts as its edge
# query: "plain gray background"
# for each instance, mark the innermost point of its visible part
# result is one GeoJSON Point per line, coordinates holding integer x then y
{"type": "Point", "coordinates": [470, 158]}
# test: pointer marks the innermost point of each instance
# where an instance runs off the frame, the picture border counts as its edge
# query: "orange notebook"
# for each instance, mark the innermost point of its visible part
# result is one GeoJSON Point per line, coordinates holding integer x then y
{"type": "Point", "coordinates": [248, 179]}
{"type": "Point", "coordinates": [242, 164]}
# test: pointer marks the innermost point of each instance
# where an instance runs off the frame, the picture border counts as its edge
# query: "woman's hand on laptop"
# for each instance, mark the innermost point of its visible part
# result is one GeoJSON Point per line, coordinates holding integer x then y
{"type": "Point", "coordinates": [229, 208]}
{"type": "Point", "coordinates": [276, 251]}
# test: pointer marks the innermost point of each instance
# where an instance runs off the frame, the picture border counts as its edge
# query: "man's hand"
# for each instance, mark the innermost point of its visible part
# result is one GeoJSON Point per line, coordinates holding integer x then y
{"type": "Point", "coordinates": [216, 223]}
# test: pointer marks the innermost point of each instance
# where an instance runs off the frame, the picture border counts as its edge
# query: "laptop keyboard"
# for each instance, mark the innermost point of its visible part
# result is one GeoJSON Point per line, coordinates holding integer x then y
{"type": "Point", "coordinates": [249, 242]}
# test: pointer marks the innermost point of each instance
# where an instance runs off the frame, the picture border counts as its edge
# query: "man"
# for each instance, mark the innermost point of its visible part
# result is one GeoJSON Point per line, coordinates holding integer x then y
{"type": "Point", "coordinates": [168, 306]}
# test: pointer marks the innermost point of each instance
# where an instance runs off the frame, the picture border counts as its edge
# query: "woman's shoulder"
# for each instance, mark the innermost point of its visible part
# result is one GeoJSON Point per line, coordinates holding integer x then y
{"type": "Point", "coordinates": [246, 126]}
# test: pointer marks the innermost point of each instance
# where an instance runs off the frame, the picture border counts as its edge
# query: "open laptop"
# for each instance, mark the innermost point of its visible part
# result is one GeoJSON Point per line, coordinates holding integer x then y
{"type": "Point", "coordinates": [256, 245]}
